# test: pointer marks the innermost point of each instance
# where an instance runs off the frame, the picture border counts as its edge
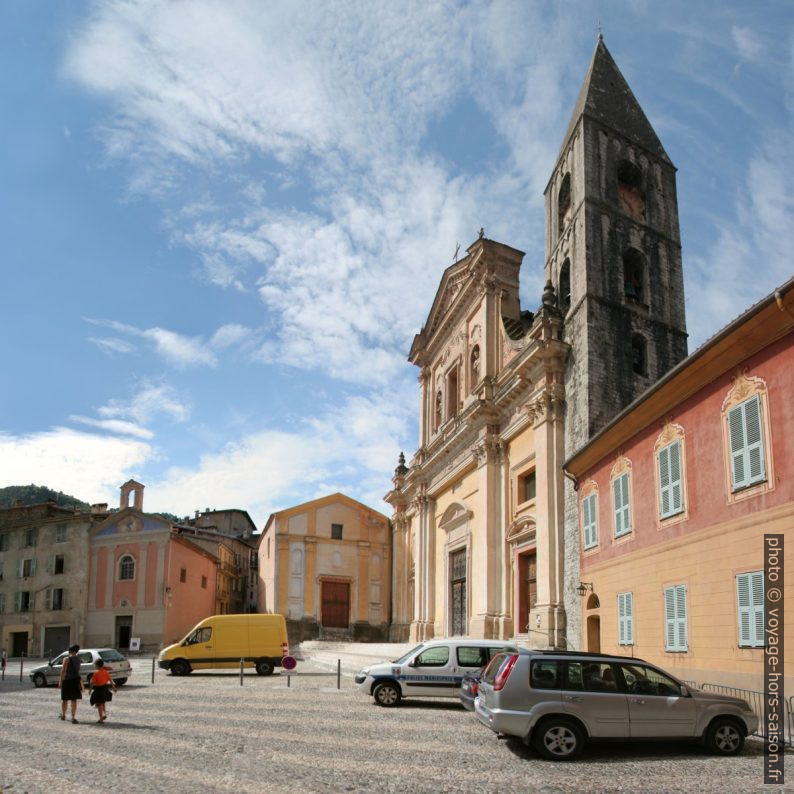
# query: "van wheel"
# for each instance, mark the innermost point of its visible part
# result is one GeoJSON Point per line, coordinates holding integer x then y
{"type": "Point", "coordinates": [264, 667]}
{"type": "Point", "coordinates": [39, 680]}
{"type": "Point", "coordinates": [387, 694]}
{"type": "Point", "coordinates": [724, 737]}
{"type": "Point", "coordinates": [180, 667]}
{"type": "Point", "coordinates": [558, 739]}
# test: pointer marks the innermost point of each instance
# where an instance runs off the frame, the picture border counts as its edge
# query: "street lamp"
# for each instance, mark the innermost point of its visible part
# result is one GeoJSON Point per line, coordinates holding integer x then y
{"type": "Point", "coordinates": [584, 587]}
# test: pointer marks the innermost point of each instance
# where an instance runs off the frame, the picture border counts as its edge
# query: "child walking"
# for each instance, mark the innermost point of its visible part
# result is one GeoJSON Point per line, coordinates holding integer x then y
{"type": "Point", "coordinates": [101, 684]}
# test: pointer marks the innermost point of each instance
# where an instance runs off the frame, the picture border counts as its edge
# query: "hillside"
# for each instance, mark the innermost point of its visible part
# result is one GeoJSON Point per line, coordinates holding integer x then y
{"type": "Point", "coordinates": [36, 494]}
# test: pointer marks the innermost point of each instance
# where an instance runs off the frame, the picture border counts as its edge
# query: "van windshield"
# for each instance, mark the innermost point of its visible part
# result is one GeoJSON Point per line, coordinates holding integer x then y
{"type": "Point", "coordinates": [405, 657]}
{"type": "Point", "coordinates": [199, 635]}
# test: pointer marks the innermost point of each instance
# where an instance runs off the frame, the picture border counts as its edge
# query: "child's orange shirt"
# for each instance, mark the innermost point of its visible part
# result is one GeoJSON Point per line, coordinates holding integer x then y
{"type": "Point", "coordinates": [100, 677]}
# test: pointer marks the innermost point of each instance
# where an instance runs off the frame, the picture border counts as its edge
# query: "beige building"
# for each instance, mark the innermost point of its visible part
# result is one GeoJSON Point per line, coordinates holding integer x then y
{"type": "Point", "coordinates": [325, 566]}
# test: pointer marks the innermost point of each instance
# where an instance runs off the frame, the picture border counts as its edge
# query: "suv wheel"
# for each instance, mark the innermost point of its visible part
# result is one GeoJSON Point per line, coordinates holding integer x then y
{"type": "Point", "coordinates": [558, 739]}
{"type": "Point", "coordinates": [387, 694]}
{"type": "Point", "coordinates": [724, 737]}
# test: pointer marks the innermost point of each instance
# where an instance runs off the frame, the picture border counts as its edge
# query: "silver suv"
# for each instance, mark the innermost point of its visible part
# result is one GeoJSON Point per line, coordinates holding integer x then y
{"type": "Point", "coordinates": [556, 701]}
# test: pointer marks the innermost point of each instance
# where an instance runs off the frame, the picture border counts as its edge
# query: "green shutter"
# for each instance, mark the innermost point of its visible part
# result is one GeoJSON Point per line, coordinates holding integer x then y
{"type": "Point", "coordinates": [670, 486]}
{"type": "Point", "coordinates": [750, 601]}
{"type": "Point", "coordinates": [19, 569]}
{"type": "Point", "coordinates": [17, 601]}
{"type": "Point", "coordinates": [33, 567]}
{"type": "Point", "coordinates": [746, 443]}
{"type": "Point", "coordinates": [620, 490]}
{"type": "Point", "coordinates": [2, 603]}
{"type": "Point", "coordinates": [675, 618]}
{"type": "Point", "coordinates": [48, 598]}
{"type": "Point", "coordinates": [625, 618]}
{"type": "Point", "coordinates": [590, 519]}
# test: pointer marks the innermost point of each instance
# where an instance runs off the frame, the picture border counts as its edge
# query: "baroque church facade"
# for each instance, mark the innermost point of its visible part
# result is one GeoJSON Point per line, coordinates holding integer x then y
{"type": "Point", "coordinates": [486, 532]}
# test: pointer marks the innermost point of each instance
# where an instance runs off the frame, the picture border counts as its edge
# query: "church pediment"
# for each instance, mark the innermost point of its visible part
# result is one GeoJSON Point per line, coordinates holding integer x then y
{"type": "Point", "coordinates": [521, 530]}
{"type": "Point", "coordinates": [130, 522]}
{"type": "Point", "coordinates": [454, 516]}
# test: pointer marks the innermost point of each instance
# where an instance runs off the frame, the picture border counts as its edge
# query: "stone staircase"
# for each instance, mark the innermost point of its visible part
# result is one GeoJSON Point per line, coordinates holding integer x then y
{"type": "Point", "coordinates": [352, 655]}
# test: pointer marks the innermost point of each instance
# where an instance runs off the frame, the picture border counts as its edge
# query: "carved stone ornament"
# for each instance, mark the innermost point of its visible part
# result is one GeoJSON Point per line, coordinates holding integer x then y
{"type": "Point", "coordinates": [622, 464]}
{"type": "Point", "coordinates": [521, 530]}
{"type": "Point", "coordinates": [744, 386]}
{"type": "Point", "coordinates": [476, 332]}
{"type": "Point", "coordinates": [588, 487]}
{"type": "Point", "coordinates": [670, 432]}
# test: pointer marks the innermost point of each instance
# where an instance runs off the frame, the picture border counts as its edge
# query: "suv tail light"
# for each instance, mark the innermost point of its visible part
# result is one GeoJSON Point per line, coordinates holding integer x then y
{"type": "Point", "coordinates": [504, 672]}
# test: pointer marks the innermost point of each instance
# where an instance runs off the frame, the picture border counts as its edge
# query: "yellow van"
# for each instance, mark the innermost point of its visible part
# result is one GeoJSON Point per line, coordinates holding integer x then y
{"type": "Point", "coordinates": [222, 640]}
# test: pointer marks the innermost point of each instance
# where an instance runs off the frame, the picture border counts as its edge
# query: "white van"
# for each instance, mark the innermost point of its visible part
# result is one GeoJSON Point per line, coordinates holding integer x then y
{"type": "Point", "coordinates": [431, 669]}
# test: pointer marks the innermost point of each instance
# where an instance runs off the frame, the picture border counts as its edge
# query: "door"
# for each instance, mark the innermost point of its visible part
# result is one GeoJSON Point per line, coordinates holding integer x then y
{"type": "Point", "coordinates": [591, 692]}
{"type": "Point", "coordinates": [56, 640]}
{"type": "Point", "coordinates": [430, 673]}
{"type": "Point", "coordinates": [19, 643]}
{"type": "Point", "coordinates": [457, 571]}
{"type": "Point", "coordinates": [123, 631]}
{"type": "Point", "coordinates": [335, 604]}
{"type": "Point", "coordinates": [527, 588]}
{"type": "Point", "coordinates": [656, 706]}
{"type": "Point", "coordinates": [593, 634]}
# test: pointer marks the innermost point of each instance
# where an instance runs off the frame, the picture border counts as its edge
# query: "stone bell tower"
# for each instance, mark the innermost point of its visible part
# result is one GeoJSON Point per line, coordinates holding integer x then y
{"type": "Point", "coordinates": [613, 252]}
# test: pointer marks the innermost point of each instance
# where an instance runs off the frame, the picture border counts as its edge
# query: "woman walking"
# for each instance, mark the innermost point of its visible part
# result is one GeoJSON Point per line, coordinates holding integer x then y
{"type": "Point", "coordinates": [101, 684]}
{"type": "Point", "coordinates": [70, 683]}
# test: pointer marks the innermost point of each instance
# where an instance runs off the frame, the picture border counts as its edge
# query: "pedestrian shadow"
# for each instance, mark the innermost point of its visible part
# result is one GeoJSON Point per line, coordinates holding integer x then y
{"type": "Point", "coordinates": [123, 726]}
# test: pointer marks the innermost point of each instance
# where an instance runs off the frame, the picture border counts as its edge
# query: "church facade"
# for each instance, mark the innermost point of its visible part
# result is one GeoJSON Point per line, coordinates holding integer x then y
{"type": "Point", "coordinates": [486, 523]}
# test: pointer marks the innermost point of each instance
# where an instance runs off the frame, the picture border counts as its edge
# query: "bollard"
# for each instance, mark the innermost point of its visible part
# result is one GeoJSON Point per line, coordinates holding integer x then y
{"type": "Point", "coordinates": [21, 660]}
{"type": "Point", "coordinates": [241, 672]}
{"type": "Point", "coordinates": [338, 673]}
{"type": "Point", "coordinates": [153, 659]}
{"type": "Point", "coordinates": [288, 678]}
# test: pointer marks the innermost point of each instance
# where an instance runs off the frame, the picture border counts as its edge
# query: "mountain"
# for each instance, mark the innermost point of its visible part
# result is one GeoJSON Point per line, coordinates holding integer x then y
{"type": "Point", "coordinates": [36, 494]}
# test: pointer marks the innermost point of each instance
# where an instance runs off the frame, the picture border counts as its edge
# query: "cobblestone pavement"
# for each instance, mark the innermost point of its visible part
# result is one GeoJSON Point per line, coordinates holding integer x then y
{"type": "Point", "coordinates": [207, 733]}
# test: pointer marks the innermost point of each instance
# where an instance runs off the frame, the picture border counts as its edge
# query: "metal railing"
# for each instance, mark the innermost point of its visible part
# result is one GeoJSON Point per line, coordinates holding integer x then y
{"type": "Point", "coordinates": [756, 700]}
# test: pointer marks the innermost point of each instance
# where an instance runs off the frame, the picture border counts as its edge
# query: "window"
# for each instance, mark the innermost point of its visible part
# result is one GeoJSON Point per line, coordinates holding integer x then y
{"type": "Point", "coordinates": [625, 618]}
{"type": "Point", "coordinates": [183, 574]}
{"type": "Point", "coordinates": [470, 656]}
{"type": "Point", "coordinates": [590, 677]}
{"type": "Point", "coordinates": [60, 533]}
{"type": "Point", "coordinates": [58, 562]}
{"type": "Point", "coordinates": [127, 568]}
{"type": "Point", "coordinates": [1, 570]}
{"type": "Point", "coordinates": [23, 601]}
{"type": "Point", "coordinates": [204, 582]}
{"type": "Point", "coordinates": [53, 598]}
{"type": "Point", "coordinates": [565, 286]}
{"type": "Point", "coordinates": [4, 538]}
{"type": "Point", "coordinates": [644, 680]}
{"type": "Point", "coordinates": [639, 355]}
{"type": "Point", "coordinates": [2, 603]}
{"type": "Point", "coordinates": [452, 392]}
{"type": "Point", "coordinates": [564, 204]}
{"type": "Point", "coordinates": [671, 492]}
{"type": "Point", "coordinates": [26, 568]}
{"type": "Point", "coordinates": [746, 443]}
{"type": "Point", "coordinates": [750, 602]}
{"type": "Point", "coordinates": [30, 538]}
{"type": "Point", "coordinates": [336, 531]}
{"type": "Point", "coordinates": [433, 657]}
{"type": "Point", "coordinates": [620, 493]}
{"type": "Point", "coordinates": [675, 618]}
{"type": "Point", "coordinates": [199, 635]}
{"type": "Point", "coordinates": [634, 275]}
{"type": "Point", "coordinates": [630, 193]}
{"type": "Point", "coordinates": [590, 520]}
{"type": "Point", "coordinates": [545, 675]}
{"type": "Point", "coordinates": [527, 487]}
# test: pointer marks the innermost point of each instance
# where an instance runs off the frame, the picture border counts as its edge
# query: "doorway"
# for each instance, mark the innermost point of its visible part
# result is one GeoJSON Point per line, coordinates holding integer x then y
{"type": "Point", "coordinates": [335, 604]}
{"type": "Point", "coordinates": [593, 634]}
{"type": "Point", "coordinates": [527, 587]}
{"type": "Point", "coordinates": [123, 631]}
{"type": "Point", "coordinates": [457, 597]}
{"type": "Point", "coordinates": [56, 640]}
{"type": "Point", "coordinates": [19, 643]}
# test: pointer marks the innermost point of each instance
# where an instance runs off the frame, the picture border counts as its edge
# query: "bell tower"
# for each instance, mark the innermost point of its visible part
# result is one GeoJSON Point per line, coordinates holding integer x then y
{"type": "Point", "coordinates": [613, 252]}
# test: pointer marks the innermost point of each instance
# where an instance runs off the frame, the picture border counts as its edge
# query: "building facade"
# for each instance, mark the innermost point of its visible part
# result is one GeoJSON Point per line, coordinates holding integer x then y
{"type": "Point", "coordinates": [485, 523]}
{"type": "Point", "coordinates": [675, 497]}
{"type": "Point", "coordinates": [325, 566]}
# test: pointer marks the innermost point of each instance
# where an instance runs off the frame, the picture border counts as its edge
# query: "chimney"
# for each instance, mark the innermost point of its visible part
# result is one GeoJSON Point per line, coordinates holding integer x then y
{"type": "Point", "coordinates": [98, 508]}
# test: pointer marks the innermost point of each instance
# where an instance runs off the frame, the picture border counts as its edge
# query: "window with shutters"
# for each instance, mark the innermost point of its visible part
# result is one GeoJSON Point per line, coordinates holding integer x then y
{"type": "Point", "coordinates": [30, 537]}
{"type": "Point", "coordinates": [622, 503]}
{"type": "Point", "coordinates": [26, 568]}
{"type": "Point", "coordinates": [590, 520]}
{"type": "Point", "coordinates": [671, 486]}
{"type": "Point", "coordinates": [127, 568]}
{"type": "Point", "coordinates": [675, 618]}
{"type": "Point", "coordinates": [750, 608]}
{"type": "Point", "coordinates": [625, 618]}
{"type": "Point", "coordinates": [24, 601]}
{"type": "Point", "coordinates": [4, 541]}
{"type": "Point", "coordinates": [58, 563]}
{"type": "Point", "coordinates": [2, 603]}
{"type": "Point", "coordinates": [60, 533]}
{"type": "Point", "coordinates": [53, 598]}
{"type": "Point", "coordinates": [748, 452]}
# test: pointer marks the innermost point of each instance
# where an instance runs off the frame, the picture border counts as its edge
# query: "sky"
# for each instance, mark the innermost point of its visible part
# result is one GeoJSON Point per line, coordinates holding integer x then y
{"type": "Point", "coordinates": [223, 222]}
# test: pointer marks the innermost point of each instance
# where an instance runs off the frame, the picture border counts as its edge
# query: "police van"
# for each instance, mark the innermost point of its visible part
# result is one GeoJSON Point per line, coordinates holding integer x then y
{"type": "Point", "coordinates": [431, 669]}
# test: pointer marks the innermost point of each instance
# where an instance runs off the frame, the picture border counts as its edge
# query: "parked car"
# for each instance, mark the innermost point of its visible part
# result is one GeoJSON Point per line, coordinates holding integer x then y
{"type": "Point", "coordinates": [556, 701]}
{"type": "Point", "coordinates": [116, 664]}
{"type": "Point", "coordinates": [469, 687]}
{"type": "Point", "coordinates": [431, 669]}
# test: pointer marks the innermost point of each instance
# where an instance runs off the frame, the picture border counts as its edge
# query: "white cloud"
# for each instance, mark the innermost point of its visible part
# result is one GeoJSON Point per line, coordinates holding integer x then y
{"type": "Point", "coordinates": [88, 466]}
{"type": "Point", "coordinates": [747, 43]}
{"type": "Point", "coordinates": [230, 335]}
{"type": "Point", "coordinates": [114, 426]}
{"type": "Point", "coordinates": [112, 345]}
{"type": "Point", "coordinates": [150, 401]}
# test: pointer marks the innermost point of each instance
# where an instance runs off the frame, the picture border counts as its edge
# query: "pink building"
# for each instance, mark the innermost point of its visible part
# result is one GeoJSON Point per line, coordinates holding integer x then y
{"type": "Point", "coordinates": [145, 581]}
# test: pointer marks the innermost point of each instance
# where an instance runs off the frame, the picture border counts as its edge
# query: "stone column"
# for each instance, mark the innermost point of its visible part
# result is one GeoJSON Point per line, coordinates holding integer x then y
{"type": "Point", "coordinates": [310, 577]}
{"type": "Point", "coordinates": [424, 585]}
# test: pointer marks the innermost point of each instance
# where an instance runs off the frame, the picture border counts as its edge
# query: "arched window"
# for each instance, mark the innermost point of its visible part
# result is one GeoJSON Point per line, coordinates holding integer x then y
{"type": "Point", "coordinates": [565, 286]}
{"type": "Point", "coordinates": [630, 192]}
{"type": "Point", "coordinates": [634, 275]}
{"type": "Point", "coordinates": [564, 204]}
{"type": "Point", "coordinates": [474, 366]}
{"type": "Point", "coordinates": [452, 392]}
{"type": "Point", "coordinates": [127, 567]}
{"type": "Point", "coordinates": [639, 358]}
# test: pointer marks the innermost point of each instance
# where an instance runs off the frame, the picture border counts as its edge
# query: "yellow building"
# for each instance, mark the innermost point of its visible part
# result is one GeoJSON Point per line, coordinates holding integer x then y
{"type": "Point", "coordinates": [325, 565]}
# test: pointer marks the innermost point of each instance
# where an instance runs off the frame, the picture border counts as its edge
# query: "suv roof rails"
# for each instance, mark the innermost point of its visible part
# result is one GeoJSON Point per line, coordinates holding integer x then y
{"type": "Point", "coordinates": [586, 653]}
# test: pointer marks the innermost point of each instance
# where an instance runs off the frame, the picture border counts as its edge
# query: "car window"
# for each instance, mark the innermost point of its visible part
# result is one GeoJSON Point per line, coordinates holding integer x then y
{"type": "Point", "coordinates": [591, 677]}
{"type": "Point", "coordinates": [85, 658]}
{"type": "Point", "coordinates": [644, 680]}
{"type": "Point", "coordinates": [200, 635]}
{"type": "Point", "coordinates": [492, 670]}
{"type": "Point", "coordinates": [545, 675]}
{"type": "Point", "coordinates": [469, 656]}
{"type": "Point", "coordinates": [111, 656]}
{"type": "Point", "coordinates": [433, 657]}
{"type": "Point", "coordinates": [406, 656]}
{"type": "Point", "coordinates": [493, 651]}
{"type": "Point", "coordinates": [59, 659]}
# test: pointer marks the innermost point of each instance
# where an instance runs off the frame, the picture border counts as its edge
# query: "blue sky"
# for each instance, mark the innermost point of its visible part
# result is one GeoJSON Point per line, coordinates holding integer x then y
{"type": "Point", "coordinates": [223, 222]}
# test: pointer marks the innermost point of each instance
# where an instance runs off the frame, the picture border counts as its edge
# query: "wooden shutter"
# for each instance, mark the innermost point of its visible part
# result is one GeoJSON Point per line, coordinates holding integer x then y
{"type": "Point", "coordinates": [48, 598]}
{"type": "Point", "coordinates": [750, 599]}
{"type": "Point", "coordinates": [620, 489]}
{"type": "Point", "coordinates": [19, 572]}
{"type": "Point", "coordinates": [17, 601]}
{"type": "Point", "coordinates": [590, 520]}
{"type": "Point", "coordinates": [625, 618]}
{"type": "Point", "coordinates": [670, 485]}
{"type": "Point", "coordinates": [33, 567]}
{"type": "Point", "coordinates": [675, 615]}
{"type": "Point", "coordinates": [746, 443]}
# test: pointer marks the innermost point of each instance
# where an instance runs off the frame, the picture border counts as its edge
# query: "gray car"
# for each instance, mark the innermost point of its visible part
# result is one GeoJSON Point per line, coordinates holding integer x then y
{"type": "Point", "coordinates": [117, 665]}
{"type": "Point", "coordinates": [556, 701]}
